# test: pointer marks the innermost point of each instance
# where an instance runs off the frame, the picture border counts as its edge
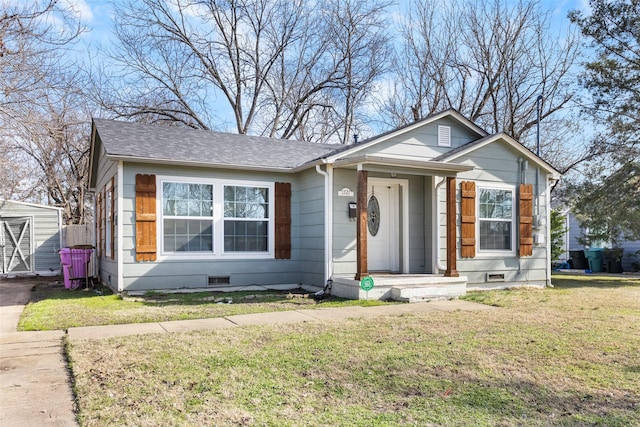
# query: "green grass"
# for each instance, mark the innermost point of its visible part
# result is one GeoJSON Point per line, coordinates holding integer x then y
{"type": "Point", "coordinates": [54, 307]}
{"type": "Point", "coordinates": [565, 356]}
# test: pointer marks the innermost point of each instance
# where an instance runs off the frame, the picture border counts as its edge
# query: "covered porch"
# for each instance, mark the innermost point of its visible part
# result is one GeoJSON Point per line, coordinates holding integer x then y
{"type": "Point", "coordinates": [385, 181]}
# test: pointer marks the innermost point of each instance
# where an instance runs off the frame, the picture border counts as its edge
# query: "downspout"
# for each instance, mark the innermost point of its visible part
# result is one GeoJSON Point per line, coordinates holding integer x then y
{"type": "Point", "coordinates": [439, 265]}
{"type": "Point", "coordinates": [120, 226]}
{"type": "Point", "coordinates": [548, 232]}
{"type": "Point", "coordinates": [328, 220]}
{"type": "Point", "coordinates": [60, 237]}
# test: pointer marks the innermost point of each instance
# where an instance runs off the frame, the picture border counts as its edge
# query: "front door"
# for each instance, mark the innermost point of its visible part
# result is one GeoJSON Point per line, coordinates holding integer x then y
{"type": "Point", "coordinates": [383, 236]}
{"type": "Point", "coordinates": [15, 245]}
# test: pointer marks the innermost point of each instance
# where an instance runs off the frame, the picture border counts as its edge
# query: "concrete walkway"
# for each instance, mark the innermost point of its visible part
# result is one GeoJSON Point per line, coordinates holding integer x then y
{"type": "Point", "coordinates": [275, 318]}
{"type": "Point", "coordinates": [35, 387]}
{"type": "Point", "coordinates": [34, 382]}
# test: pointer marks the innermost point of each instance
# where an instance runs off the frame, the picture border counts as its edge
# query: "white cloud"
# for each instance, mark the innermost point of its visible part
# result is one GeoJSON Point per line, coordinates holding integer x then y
{"type": "Point", "coordinates": [79, 8]}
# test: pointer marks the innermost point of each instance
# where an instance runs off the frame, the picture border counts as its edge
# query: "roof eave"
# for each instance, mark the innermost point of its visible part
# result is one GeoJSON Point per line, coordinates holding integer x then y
{"type": "Point", "coordinates": [35, 205]}
{"type": "Point", "coordinates": [171, 162]}
{"type": "Point", "coordinates": [392, 161]}
{"type": "Point", "coordinates": [92, 148]}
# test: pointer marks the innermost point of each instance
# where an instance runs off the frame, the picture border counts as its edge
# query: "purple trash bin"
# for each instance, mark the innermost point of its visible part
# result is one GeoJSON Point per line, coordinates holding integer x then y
{"type": "Point", "coordinates": [74, 266]}
{"type": "Point", "coordinates": [65, 256]}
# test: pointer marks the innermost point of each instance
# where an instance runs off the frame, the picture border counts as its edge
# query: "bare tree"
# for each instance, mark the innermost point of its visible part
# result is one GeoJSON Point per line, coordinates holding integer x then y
{"type": "Point", "coordinates": [277, 67]}
{"type": "Point", "coordinates": [45, 162]}
{"type": "Point", "coordinates": [490, 61]}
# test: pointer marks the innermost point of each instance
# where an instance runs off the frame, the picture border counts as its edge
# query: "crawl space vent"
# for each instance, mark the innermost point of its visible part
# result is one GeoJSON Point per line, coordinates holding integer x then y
{"type": "Point", "coordinates": [495, 277]}
{"type": "Point", "coordinates": [218, 280]}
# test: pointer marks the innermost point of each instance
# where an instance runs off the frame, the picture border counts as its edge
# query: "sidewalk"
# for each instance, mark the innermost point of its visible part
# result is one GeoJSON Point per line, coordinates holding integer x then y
{"type": "Point", "coordinates": [34, 382]}
{"type": "Point", "coordinates": [35, 388]}
{"type": "Point", "coordinates": [280, 317]}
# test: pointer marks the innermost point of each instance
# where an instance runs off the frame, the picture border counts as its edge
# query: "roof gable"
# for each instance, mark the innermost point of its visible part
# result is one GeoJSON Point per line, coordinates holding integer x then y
{"type": "Point", "coordinates": [506, 139]}
{"type": "Point", "coordinates": [467, 131]}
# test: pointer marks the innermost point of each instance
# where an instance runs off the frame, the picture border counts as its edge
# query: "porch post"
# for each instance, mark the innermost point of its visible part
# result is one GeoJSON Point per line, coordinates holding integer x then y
{"type": "Point", "coordinates": [451, 229]}
{"type": "Point", "coordinates": [361, 235]}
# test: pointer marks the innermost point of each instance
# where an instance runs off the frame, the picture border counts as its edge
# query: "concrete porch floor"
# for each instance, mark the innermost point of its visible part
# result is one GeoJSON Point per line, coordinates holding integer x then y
{"type": "Point", "coordinates": [401, 287]}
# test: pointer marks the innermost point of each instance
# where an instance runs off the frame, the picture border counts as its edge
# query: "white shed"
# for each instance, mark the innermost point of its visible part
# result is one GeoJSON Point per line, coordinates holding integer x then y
{"type": "Point", "coordinates": [30, 237]}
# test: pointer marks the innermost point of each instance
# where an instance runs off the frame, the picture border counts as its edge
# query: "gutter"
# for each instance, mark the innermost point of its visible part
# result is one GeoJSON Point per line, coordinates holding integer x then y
{"type": "Point", "coordinates": [245, 167]}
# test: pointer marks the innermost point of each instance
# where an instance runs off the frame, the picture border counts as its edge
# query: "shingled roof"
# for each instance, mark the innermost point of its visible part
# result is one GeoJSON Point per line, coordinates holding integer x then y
{"type": "Point", "coordinates": [179, 145]}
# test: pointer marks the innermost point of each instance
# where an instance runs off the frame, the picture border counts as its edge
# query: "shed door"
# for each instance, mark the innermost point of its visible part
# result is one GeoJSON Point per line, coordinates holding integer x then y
{"type": "Point", "coordinates": [15, 245]}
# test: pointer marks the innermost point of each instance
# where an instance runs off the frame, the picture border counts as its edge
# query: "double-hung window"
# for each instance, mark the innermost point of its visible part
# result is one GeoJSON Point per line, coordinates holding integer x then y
{"type": "Point", "coordinates": [496, 218]}
{"type": "Point", "coordinates": [216, 218]}
{"type": "Point", "coordinates": [187, 210]}
{"type": "Point", "coordinates": [246, 219]}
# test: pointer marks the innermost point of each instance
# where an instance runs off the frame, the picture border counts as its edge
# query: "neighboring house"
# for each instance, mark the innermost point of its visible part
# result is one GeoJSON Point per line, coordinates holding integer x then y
{"type": "Point", "coordinates": [435, 202]}
{"type": "Point", "coordinates": [575, 232]}
{"type": "Point", "coordinates": [30, 238]}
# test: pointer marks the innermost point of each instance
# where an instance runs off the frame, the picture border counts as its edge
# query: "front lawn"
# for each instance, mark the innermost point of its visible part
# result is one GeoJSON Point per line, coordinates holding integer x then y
{"type": "Point", "coordinates": [54, 307]}
{"type": "Point", "coordinates": [561, 356]}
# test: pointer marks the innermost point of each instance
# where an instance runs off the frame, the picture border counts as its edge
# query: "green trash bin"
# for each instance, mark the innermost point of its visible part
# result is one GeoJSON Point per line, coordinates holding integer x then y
{"type": "Point", "coordinates": [594, 256]}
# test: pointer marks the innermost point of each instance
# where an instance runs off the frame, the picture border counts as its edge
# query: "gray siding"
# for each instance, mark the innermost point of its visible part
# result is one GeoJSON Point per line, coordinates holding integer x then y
{"type": "Point", "coordinates": [107, 169]}
{"type": "Point", "coordinates": [344, 229]}
{"type": "Point", "coordinates": [498, 164]}
{"type": "Point", "coordinates": [174, 272]}
{"type": "Point", "coordinates": [422, 143]}
{"type": "Point", "coordinates": [45, 236]}
{"type": "Point", "coordinates": [310, 228]}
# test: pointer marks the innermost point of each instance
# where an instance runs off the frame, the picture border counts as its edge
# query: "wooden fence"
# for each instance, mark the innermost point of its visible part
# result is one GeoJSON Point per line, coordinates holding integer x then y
{"type": "Point", "coordinates": [74, 235]}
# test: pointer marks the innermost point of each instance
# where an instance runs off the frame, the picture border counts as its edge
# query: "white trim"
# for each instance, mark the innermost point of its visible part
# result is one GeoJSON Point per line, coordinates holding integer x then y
{"type": "Point", "coordinates": [329, 223]}
{"type": "Point", "coordinates": [485, 253]}
{"type": "Point", "coordinates": [60, 228]}
{"type": "Point", "coordinates": [217, 219]}
{"type": "Point", "coordinates": [406, 162]}
{"type": "Point", "coordinates": [34, 205]}
{"type": "Point", "coordinates": [31, 255]}
{"type": "Point", "coordinates": [548, 230]}
{"type": "Point", "coordinates": [328, 220]}
{"type": "Point", "coordinates": [119, 225]}
{"type": "Point", "coordinates": [376, 140]}
{"type": "Point", "coordinates": [203, 164]}
{"type": "Point", "coordinates": [108, 208]}
{"type": "Point", "coordinates": [512, 143]}
{"type": "Point", "coordinates": [438, 265]}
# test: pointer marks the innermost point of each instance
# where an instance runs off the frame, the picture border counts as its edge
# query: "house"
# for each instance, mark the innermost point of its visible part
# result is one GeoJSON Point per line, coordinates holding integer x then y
{"type": "Point", "coordinates": [30, 238]}
{"type": "Point", "coordinates": [435, 207]}
{"type": "Point", "coordinates": [575, 235]}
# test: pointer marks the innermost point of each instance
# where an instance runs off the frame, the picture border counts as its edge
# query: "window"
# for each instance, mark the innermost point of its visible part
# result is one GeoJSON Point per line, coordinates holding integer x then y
{"type": "Point", "coordinates": [109, 221]}
{"type": "Point", "coordinates": [496, 219]}
{"type": "Point", "coordinates": [214, 218]}
{"type": "Point", "coordinates": [246, 219]}
{"type": "Point", "coordinates": [187, 211]}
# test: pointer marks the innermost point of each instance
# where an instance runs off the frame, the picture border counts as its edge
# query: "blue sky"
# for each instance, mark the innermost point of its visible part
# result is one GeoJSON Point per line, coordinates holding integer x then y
{"type": "Point", "coordinates": [98, 17]}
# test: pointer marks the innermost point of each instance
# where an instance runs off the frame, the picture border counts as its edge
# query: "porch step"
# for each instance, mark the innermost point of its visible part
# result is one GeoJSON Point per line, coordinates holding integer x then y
{"type": "Point", "coordinates": [428, 292]}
